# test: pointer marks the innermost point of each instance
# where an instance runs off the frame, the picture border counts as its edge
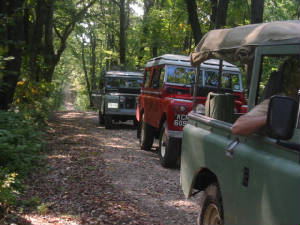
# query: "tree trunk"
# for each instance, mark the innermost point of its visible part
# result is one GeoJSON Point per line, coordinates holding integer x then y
{"type": "Point", "coordinates": [85, 71]}
{"type": "Point", "coordinates": [122, 38]}
{"type": "Point", "coordinates": [193, 20]}
{"type": "Point", "coordinates": [148, 4]}
{"type": "Point", "coordinates": [93, 60]}
{"type": "Point", "coordinates": [257, 11]}
{"type": "Point", "coordinates": [221, 13]}
{"type": "Point", "coordinates": [43, 55]}
{"type": "Point", "coordinates": [13, 33]}
{"type": "Point", "coordinates": [213, 16]}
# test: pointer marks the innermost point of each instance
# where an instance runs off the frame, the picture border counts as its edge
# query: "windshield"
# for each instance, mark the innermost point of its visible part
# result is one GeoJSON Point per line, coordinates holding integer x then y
{"type": "Point", "coordinates": [118, 82]}
{"type": "Point", "coordinates": [180, 75]}
{"type": "Point", "coordinates": [228, 80]}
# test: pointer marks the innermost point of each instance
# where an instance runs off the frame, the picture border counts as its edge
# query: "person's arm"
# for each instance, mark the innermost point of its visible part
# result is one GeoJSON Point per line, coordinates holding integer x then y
{"type": "Point", "coordinates": [246, 125]}
{"type": "Point", "coordinates": [251, 121]}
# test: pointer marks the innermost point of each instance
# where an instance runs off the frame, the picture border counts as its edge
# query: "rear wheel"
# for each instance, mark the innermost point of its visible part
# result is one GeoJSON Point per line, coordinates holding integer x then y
{"type": "Point", "coordinates": [211, 212]}
{"type": "Point", "coordinates": [169, 148]}
{"type": "Point", "coordinates": [146, 135]}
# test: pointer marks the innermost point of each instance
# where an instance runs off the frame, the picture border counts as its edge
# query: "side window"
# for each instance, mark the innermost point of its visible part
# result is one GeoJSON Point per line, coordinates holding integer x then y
{"type": "Point", "coordinates": [155, 79]}
{"type": "Point", "coordinates": [231, 81]}
{"type": "Point", "coordinates": [211, 78]}
{"type": "Point", "coordinates": [147, 78]}
{"type": "Point", "coordinates": [226, 80]}
{"type": "Point", "coordinates": [279, 76]}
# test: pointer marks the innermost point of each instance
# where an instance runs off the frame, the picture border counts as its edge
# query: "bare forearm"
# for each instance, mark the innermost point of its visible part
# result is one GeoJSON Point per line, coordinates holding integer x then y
{"type": "Point", "coordinates": [246, 125]}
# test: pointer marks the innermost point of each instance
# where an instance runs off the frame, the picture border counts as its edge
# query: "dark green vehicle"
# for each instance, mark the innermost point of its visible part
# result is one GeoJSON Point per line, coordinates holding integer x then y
{"type": "Point", "coordinates": [117, 99]}
{"type": "Point", "coordinates": [254, 179]}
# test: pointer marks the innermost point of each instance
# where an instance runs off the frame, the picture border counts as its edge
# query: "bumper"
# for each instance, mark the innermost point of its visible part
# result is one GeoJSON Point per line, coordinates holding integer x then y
{"type": "Point", "coordinates": [175, 134]}
{"type": "Point", "coordinates": [121, 112]}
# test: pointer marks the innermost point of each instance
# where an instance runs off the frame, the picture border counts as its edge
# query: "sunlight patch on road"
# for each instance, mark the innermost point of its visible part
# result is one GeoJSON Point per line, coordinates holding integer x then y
{"type": "Point", "coordinates": [72, 115]}
{"type": "Point", "coordinates": [186, 205]}
{"type": "Point", "coordinates": [50, 220]}
{"type": "Point", "coordinates": [59, 156]}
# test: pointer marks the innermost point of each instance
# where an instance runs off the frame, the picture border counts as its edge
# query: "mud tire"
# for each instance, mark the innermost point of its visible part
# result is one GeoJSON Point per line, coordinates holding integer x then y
{"type": "Point", "coordinates": [100, 118]}
{"type": "Point", "coordinates": [146, 135]}
{"type": "Point", "coordinates": [108, 122]}
{"type": "Point", "coordinates": [169, 148]}
{"type": "Point", "coordinates": [211, 210]}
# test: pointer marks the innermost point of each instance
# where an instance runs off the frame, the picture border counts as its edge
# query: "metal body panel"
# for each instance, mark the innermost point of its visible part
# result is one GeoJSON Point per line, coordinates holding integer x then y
{"type": "Point", "coordinates": [274, 181]}
{"type": "Point", "coordinates": [260, 179]}
{"type": "Point", "coordinates": [158, 104]}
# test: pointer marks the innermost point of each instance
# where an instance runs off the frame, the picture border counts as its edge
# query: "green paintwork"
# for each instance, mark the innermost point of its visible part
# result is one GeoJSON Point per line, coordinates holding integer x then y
{"type": "Point", "coordinates": [272, 195]}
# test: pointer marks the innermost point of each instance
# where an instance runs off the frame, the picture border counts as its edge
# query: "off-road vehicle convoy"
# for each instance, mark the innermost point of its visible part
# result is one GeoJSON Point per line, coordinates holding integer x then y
{"type": "Point", "coordinates": [116, 101]}
{"type": "Point", "coordinates": [254, 179]}
{"type": "Point", "coordinates": [167, 97]}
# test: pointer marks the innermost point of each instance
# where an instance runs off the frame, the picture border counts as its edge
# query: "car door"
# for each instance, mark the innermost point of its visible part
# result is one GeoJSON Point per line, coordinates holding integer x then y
{"type": "Point", "coordinates": [155, 96]}
{"type": "Point", "coordinates": [268, 182]}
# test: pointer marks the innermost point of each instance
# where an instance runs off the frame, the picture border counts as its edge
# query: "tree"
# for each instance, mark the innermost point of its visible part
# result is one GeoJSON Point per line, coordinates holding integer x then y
{"type": "Point", "coordinates": [56, 16]}
{"type": "Point", "coordinates": [257, 11]}
{"type": "Point", "coordinates": [193, 20]}
{"type": "Point", "coordinates": [221, 13]}
{"type": "Point", "coordinates": [11, 45]}
{"type": "Point", "coordinates": [218, 13]}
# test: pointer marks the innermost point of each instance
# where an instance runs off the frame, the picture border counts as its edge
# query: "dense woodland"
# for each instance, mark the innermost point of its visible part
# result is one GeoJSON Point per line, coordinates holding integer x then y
{"type": "Point", "coordinates": [47, 46]}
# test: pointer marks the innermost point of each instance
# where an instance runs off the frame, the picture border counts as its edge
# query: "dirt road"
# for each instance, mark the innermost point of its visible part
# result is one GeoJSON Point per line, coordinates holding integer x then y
{"type": "Point", "coordinates": [99, 176]}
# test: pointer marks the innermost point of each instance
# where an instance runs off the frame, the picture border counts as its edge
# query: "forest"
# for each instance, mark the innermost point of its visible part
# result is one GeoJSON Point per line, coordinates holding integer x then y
{"type": "Point", "coordinates": [50, 46]}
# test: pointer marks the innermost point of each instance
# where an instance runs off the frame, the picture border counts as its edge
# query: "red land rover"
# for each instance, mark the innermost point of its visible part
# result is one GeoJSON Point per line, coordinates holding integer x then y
{"type": "Point", "coordinates": [166, 99]}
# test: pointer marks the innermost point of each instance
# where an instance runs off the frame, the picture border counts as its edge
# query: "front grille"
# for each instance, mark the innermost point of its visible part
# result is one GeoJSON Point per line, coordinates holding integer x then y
{"type": "Point", "coordinates": [128, 103]}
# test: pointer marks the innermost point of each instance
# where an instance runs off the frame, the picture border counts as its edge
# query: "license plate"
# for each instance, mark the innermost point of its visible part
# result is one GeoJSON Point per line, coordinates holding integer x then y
{"type": "Point", "coordinates": [180, 120]}
{"type": "Point", "coordinates": [112, 105]}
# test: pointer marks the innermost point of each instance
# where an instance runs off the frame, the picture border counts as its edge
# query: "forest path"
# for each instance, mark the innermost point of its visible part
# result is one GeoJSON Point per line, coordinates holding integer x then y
{"type": "Point", "coordinates": [68, 98]}
{"type": "Point", "coordinates": [99, 176]}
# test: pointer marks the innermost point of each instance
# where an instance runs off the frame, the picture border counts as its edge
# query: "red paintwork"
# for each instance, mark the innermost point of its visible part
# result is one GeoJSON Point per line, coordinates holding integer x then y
{"type": "Point", "coordinates": [160, 104]}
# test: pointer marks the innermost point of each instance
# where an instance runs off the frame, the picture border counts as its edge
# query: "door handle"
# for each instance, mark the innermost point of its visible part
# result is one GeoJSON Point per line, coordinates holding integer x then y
{"type": "Point", "coordinates": [230, 148]}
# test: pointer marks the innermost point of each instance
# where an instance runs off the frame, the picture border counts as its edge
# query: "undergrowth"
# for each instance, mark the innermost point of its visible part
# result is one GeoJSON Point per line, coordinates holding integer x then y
{"type": "Point", "coordinates": [20, 153]}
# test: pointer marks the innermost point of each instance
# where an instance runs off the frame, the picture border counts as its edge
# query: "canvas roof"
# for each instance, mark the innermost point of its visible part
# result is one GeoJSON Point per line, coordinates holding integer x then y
{"type": "Point", "coordinates": [238, 44]}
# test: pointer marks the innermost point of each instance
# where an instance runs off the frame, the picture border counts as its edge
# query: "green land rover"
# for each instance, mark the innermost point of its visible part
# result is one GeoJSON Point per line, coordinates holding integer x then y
{"type": "Point", "coordinates": [253, 179]}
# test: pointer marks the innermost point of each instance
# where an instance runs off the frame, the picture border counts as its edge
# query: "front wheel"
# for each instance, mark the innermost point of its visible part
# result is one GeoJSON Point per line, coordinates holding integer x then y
{"type": "Point", "coordinates": [146, 135]}
{"type": "Point", "coordinates": [169, 148]}
{"type": "Point", "coordinates": [108, 122]}
{"type": "Point", "coordinates": [211, 212]}
{"type": "Point", "coordinates": [100, 118]}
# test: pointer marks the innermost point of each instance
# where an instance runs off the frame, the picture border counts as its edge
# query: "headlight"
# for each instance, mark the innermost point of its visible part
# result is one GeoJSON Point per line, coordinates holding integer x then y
{"type": "Point", "coordinates": [112, 105]}
{"type": "Point", "coordinates": [179, 108]}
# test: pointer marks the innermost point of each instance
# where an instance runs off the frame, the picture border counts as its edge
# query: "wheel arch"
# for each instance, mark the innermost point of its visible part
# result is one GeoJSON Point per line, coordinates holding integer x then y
{"type": "Point", "coordinates": [203, 178]}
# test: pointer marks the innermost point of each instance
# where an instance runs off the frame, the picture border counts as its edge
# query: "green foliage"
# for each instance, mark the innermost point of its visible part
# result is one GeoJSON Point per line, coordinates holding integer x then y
{"type": "Point", "coordinates": [32, 99]}
{"type": "Point", "coordinates": [281, 10]}
{"type": "Point", "coordinates": [20, 147]}
{"type": "Point", "coordinates": [20, 143]}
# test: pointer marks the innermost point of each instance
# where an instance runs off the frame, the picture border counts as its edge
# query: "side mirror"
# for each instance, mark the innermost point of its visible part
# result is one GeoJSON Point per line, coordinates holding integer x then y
{"type": "Point", "coordinates": [281, 119]}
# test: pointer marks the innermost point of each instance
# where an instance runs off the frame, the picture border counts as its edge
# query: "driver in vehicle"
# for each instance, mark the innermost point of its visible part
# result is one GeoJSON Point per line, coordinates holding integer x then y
{"type": "Point", "coordinates": [283, 82]}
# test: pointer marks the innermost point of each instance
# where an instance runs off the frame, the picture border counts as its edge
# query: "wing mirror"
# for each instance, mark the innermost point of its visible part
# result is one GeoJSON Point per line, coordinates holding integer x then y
{"type": "Point", "coordinates": [282, 116]}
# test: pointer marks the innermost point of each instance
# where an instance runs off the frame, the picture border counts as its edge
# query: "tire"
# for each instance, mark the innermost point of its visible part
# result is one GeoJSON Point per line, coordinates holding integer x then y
{"type": "Point", "coordinates": [169, 148]}
{"type": "Point", "coordinates": [100, 118]}
{"type": "Point", "coordinates": [108, 122]}
{"type": "Point", "coordinates": [135, 123]}
{"type": "Point", "coordinates": [146, 135]}
{"type": "Point", "coordinates": [211, 210]}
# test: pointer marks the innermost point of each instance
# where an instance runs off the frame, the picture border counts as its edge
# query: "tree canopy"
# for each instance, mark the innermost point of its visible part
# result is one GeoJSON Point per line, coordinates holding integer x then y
{"type": "Point", "coordinates": [45, 42]}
